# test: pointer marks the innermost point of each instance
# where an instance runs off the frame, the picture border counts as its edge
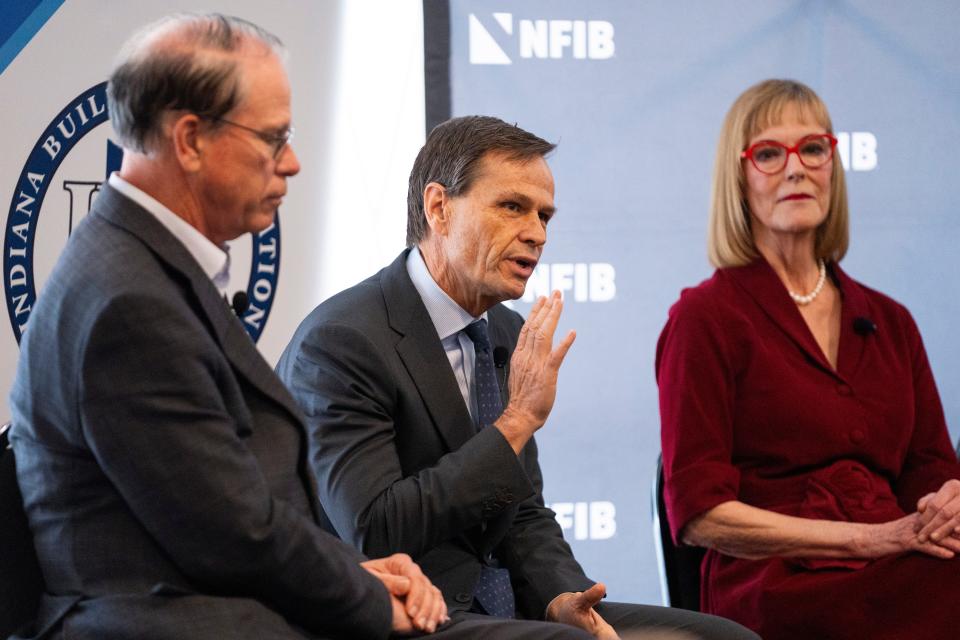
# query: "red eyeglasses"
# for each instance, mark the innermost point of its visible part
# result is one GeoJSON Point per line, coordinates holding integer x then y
{"type": "Point", "coordinates": [770, 156]}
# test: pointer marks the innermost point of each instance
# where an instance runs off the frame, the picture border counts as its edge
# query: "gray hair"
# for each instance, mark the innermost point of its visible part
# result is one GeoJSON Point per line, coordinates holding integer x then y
{"type": "Point", "coordinates": [190, 72]}
{"type": "Point", "coordinates": [450, 156]}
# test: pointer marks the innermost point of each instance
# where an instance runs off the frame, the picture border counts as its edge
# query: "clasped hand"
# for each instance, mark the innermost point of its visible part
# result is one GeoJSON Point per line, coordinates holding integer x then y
{"type": "Point", "coordinates": [417, 604]}
{"type": "Point", "coordinates": [938, 518]}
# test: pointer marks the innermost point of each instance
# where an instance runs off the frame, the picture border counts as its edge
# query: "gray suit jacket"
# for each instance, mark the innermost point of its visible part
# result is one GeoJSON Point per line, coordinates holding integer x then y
{"type": "Point", "coordinates": [162, 463]}
{"type": "Point", "coordinates": [400, 464]}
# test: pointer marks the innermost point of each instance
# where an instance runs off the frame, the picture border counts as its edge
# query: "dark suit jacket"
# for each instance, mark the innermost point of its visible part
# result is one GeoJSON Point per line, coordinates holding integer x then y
{"type": "Point", "coordinates": [162, 463]}
{"type": "Point", "coordinates": [400, 464]}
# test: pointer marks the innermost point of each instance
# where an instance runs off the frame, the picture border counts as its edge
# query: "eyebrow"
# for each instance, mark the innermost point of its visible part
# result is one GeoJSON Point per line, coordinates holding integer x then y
{"type": "Point", "coordinates": [526, 201]}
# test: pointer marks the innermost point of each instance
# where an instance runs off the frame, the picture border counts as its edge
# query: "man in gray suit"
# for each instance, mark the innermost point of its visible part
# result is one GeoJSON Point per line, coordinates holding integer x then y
{"type": "Point", "coordinates": [422, 393]}
{"type": "Point", "coordinates": [162, 463]}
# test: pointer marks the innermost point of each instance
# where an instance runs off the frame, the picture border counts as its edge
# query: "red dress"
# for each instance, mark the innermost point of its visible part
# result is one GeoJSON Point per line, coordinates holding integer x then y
{"type": "Point", "coordinates": [752, 411]}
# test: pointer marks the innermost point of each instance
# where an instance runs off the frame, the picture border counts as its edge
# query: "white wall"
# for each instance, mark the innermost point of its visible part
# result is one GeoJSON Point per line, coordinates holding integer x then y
{"type": "Point", "coordinates": [357, 73]}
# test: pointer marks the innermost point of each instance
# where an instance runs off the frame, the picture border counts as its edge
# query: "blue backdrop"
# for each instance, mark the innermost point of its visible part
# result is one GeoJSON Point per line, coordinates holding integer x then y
{"type": "Point", "coordinates": [635, 94]}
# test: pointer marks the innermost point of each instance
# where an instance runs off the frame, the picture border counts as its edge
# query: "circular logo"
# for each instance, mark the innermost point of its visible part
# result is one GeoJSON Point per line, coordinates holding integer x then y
{"type": "Point", "coordinates": [59, 160]}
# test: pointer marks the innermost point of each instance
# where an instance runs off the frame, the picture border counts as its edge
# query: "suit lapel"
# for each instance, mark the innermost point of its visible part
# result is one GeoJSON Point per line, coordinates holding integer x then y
{"type": "Point", "coordinates": [423, 356]}
{"type": "Point", "coordinates": [225, 327]}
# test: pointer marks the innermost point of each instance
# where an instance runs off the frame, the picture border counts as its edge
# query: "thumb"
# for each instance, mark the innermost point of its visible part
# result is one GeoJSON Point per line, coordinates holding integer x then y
{"type": "Point", "coordinates": [592, 596]}
{"type": "Point", "coordinates": [396, 585]}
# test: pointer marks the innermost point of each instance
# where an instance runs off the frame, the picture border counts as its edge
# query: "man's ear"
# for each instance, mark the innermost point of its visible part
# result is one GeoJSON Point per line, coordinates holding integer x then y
{"type": "Point", "coordinates": [436, 207]}
{"type": "Point", "coordinates": [187, 142]}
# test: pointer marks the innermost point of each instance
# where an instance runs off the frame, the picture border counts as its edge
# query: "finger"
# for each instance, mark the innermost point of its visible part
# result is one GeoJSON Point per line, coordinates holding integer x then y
{"type": "Point", "coordinates": [431, 614]}
{"type": "Point", "coordinates": [552, 317]}
{"type": "Point", "coordinates": [923, 502]}
{"type": "Point", "coordinates": [416, 601]}
{"type": "Point", "coordinates": [535, 317]}
{"type": "Point", "coordinates": [402, 624]}
{"type": "Point", "coordinates": [538, 321]}
{"type": "Point", "coordinates": [932, 518]}
{"type": "Point", "coordinates": [935, 550]}
{"type": "Point", "coordinates": [945, 530]}
{"type": "Point", "coordinates": [438, 614]}
{"type": "Point", "coordinates": [940, 508]}
{"type": "Point", "coordinates": [937, 519]}
{"type": "Point", "coordinates": [592, 596]}
{"type": "Point", "coordinates": [397, 585]}
{"type": "Point", "coordinates": [527, 331]}
{"type": "Point", "coordinates": [420, 586]}
{"type": "Point", "coordinates": [558, 355]}
{"type": "Point", "coordinates": [951, 543]}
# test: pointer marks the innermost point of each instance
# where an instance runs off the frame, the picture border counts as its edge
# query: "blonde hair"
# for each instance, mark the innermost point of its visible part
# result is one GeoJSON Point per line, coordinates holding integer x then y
{"type": "Point", "coordinates": [729, 240]}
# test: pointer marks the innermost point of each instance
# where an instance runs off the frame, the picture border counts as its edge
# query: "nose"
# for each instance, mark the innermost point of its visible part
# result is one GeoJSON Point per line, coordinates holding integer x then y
{"type": "Point", "coordinates": [534, 232]}
{"type": "Point", "coordinates": [288, 164]}
{"type": "Point", "coordinates": [794, 169]}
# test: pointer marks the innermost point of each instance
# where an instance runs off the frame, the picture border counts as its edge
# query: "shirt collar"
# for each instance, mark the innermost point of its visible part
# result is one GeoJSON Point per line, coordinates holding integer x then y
{"type": "Point", "coordinates": [214, 260]}
{"type": "Point", "coordinates": [448, 317]}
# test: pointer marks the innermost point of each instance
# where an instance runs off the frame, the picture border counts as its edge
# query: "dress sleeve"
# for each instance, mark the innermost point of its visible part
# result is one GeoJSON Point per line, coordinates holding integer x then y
{"type": "Point", "coordinates": [930, 459]}
{"type": "Point", "coordinates": [696, 375]}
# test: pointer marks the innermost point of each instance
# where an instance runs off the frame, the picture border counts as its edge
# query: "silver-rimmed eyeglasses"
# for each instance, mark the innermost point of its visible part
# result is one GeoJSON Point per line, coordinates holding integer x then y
{"type": "Point", "coordinates": [277, 141]}
{"type": "Point", "coordinates": [770, 156]}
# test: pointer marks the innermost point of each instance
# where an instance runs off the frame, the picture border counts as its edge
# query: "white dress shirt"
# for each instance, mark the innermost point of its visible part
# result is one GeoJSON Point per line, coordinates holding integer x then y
{"type": "Point", "coordinates": [449, 319]}
{"type": "Point", "coordinates": [214, 260]}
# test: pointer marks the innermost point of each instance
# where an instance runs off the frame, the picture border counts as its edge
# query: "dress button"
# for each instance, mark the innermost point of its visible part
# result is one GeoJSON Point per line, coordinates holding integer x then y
{"type": "Point", "coordinates": [857, 436]}
{"type": "Point", "coordinates": [844, 389]}
{"type": "Point", "coordinates": [463, 598]}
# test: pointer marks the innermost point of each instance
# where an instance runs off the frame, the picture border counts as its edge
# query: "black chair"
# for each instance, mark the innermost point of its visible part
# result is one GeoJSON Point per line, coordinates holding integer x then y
{"type": "Point", "coordinates": [21, 582]}
{"type": "Point", "coordinates": [679, 566]}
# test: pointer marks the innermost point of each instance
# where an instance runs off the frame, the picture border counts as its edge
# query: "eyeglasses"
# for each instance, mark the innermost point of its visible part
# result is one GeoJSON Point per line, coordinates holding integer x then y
{"type": "Point", "coordinates": [278, 141]}
{"type": "Point", "coordinates": [770, 156]}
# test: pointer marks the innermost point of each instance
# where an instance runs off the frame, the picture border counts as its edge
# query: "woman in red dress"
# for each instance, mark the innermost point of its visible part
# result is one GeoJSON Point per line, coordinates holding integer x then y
{"type": "Point", "coordinates": [804, 442]}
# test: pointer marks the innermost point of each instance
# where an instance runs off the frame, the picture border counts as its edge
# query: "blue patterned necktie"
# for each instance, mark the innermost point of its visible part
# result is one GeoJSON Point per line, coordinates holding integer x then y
{"type": "Point", "coordinates": [489, 405]}
{"type": "Point", "coordinates": [493, 591]}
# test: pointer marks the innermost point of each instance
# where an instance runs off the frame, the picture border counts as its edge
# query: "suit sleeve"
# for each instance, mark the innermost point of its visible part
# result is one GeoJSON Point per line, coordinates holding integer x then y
{"type": "Point", "coordinates": [374, 499]}
{"type": "Point", "coordinates": [154, 416]}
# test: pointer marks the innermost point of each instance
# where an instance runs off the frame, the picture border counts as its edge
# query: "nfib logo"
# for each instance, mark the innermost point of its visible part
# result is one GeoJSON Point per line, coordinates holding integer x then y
{"type": "Point", "coordinates": [581, 39]}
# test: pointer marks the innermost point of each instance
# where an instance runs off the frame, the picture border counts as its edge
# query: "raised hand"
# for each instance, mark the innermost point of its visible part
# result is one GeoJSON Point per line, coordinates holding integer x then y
{"type": "Point", "coordinates": [534, 368]}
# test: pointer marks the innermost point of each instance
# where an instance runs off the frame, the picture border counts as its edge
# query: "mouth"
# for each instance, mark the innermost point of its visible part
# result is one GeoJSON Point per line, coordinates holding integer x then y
{"type": "Point", "coordinates": [796, 196]}
{"type": "Point", "coordinates": [523, 266]}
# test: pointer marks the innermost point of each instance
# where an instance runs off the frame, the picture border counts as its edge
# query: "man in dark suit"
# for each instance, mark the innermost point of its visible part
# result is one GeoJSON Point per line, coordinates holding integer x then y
{"type": "Point", "coordinates": [422, 395]}
{"type": "Point", "coordinates": [162, 463]}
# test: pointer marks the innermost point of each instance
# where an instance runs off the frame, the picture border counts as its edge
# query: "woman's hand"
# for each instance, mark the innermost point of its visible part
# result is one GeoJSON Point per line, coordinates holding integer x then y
{"type": "Point", "coordinates": [900, 535]}
{"type": "Point", "coordinates": [939, 513]}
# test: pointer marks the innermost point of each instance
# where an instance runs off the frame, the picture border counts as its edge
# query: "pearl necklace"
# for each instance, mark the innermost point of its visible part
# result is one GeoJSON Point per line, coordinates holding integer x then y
{"type": "Point", "coordinates": [810, 297]}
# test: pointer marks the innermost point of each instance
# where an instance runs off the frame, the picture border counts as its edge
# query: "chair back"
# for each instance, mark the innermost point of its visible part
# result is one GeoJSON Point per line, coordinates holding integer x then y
{"type": "Point", "coordinates": [679, 567]}
{"type": "Point", "coordinates": [21, 583]}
